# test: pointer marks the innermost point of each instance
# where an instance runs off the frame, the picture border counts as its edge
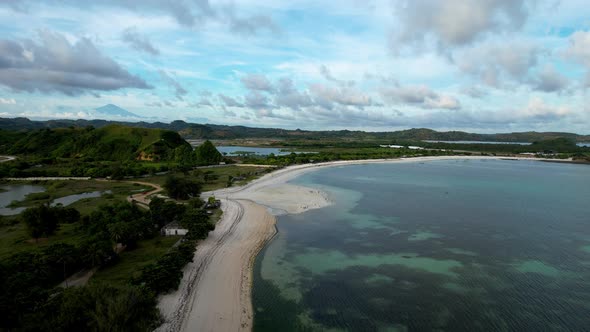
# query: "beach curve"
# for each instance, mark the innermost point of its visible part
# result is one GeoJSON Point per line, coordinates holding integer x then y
{"type": "Point", "coordinates": [215, 292]}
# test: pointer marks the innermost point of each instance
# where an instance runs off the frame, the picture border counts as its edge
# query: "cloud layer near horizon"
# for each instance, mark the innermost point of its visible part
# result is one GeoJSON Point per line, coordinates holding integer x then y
{"type": "Point", "coordinates": [489, 65]}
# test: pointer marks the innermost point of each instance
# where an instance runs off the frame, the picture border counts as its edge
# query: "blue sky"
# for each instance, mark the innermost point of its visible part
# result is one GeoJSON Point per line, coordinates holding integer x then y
{"type": "Point", "coordinates": [483, 66]}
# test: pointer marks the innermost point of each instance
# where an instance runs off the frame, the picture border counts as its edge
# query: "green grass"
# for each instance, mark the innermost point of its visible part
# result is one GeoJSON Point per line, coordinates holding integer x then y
{"type": "Point", "coordinates": [218, 176]}
{"type": "Point", "coordinates": [131, 262]}
{"type": "Point", "coordinates": [14, 239]}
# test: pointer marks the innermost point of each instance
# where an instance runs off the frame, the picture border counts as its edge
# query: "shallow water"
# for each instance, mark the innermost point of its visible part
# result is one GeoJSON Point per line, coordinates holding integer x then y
{"type": "Point", "coordinates": [16, 193]}
{"type": "Point", "coordinates": [467, 245]}
{"type": "Point", "coordinates": [233, 150]}
{"type": "Point", "coordinates": [70, 199]}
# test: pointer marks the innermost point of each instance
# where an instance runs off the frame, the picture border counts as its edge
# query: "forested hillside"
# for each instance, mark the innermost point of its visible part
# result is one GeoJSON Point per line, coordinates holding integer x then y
{"type": "Point", "coordinates": [213, 131]}
{"type": "Point", "coordinates": [110, 143]}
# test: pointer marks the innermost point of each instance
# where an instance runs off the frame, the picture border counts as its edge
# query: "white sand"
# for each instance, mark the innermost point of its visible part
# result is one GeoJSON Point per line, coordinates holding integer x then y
{"type": "Point", "coordinates": [214, 294]}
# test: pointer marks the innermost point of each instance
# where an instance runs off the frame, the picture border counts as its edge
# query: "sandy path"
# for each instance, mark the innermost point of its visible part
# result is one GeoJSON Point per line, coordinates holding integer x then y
{"type": "Point", "coordinates": [142, 198]}
{"type": "Point", "coordinates": [215, 290]}
{"type": "Point", "coordinates": [222, 302]}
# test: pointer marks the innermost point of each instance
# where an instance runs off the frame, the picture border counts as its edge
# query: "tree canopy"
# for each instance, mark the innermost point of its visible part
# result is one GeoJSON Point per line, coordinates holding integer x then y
{"type": "Point", "coordinates": [207, 154]}
{"type": "Point", "coordinates": [182, 188]}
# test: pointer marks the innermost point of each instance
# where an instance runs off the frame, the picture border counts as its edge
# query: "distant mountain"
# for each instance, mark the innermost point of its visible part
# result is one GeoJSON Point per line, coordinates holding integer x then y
{"type": "Point", "coordinates": [213, 131]}
{"type": "Point", "coordinates": [111, 110]}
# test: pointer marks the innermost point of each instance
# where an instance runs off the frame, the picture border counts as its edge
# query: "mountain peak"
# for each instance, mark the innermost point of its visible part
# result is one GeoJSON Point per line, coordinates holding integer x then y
{"type": "Point", "coordinates": [114, 110]}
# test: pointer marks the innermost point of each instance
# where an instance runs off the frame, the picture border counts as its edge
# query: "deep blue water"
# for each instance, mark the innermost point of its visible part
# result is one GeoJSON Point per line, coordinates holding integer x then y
{"type": "Point", "coordinates": [466, 245]}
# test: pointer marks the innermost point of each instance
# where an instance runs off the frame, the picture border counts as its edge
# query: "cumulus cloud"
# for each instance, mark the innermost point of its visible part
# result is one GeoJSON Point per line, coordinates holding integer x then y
{"type": "Point", "coordinates": [268, 113]}
{"type": "Point", "coordinates": [229, 101]}
{"type": "Point", "coordinates": [455, 22]}
{"type": "Point", "coordinates": [420, 96]}
{"type": "Point", "coordinates": [179, 90]}
{"type": "Point", "coordinates": [188, 13]}
{"type": "Point", "coordinates": [537, 108]}
{"type": "Point", "coordinates": [52, 64]}
{"type": "Point", "coordinates": [328, 76]}
{"type": "Point", "coordinates": [326, 96]}
{"type": "Point", "coordinates": [7, 101]}
{"type": "Point", "coordinates": [257, 100]}
{"type": "Point", "coordinates": [474, 91]}
{"type": "Point", "coordinates": [550, 80]}
{"type": "Point", "coordinates": [579, 51]}
{"type": "Point", "coordinates": [257, 82]}
{"type": "Point", "coordinates": [251, 25]}
{"type": "Point", "coordinates": [203, 102]}
{"type": "Point", "coordinates": [491, 62]}
{"type": "Point", "coordinates": [579, 47]}
{"type": "Point", "coordinates": [288, 96]}
{"type": "Point", "coordinates": [139, 42]}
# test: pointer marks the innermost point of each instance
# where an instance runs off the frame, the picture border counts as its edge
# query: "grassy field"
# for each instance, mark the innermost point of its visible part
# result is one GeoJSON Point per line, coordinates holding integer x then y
{"type": "Point", "coordinates": [130, 262]}
{"type": "Point", "coordinates": [14, 238]}
{"type": "Point", "coordinates": [215, 177]}
{"type": "Point", "coordinates": [13, 234]}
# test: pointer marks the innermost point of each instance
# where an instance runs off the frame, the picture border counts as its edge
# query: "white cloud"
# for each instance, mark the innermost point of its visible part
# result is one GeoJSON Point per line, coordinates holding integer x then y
{"type": "Point", "coordinates": [55, 64]}
{"type": "Point", "coordinates": [579, 47]}
{"type": "Point", "coordinates": [7, 101]}
{"type": "Point", "coordinates": [326, 96]}
{"type": "Point", "coordinates": [495, 61]}
{"type": "Point", "coordinates": [419, 95]}
{"type": "Point", "coordinates": [537, 108]}
{"type": "Point", "coordinates": [455, 22]}
{"type": "Point", "coordinates": [550, 80]}
{"type": "Point", "coordinates": [257, 82]}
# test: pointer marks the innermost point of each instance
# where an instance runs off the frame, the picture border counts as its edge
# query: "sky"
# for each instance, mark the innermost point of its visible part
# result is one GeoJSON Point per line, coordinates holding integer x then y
{"type": "Point", "coordinates": [473, 65]}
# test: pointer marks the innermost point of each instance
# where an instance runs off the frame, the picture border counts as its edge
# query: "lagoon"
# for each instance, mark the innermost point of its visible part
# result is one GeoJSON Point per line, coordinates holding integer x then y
{"type": "Point", "coordinates": [17, 192]}
{"type": "Point", "coordinates": [257, 151]}
{"type": "Point", "coordinates": [454, 245]}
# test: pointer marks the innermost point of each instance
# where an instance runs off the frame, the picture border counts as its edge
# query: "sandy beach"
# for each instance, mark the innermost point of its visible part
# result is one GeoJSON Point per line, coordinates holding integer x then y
{"type": "Point", "coordinates": [215, 292]}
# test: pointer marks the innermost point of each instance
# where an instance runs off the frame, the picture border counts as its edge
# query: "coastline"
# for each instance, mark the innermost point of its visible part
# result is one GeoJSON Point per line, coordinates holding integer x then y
{"type": "Point", "coordinates": [215, 292]}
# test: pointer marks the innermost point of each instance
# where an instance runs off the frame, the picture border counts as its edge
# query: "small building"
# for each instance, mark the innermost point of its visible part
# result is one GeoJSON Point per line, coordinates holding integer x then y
{"type": "Point", "coordinates": [173, 228]}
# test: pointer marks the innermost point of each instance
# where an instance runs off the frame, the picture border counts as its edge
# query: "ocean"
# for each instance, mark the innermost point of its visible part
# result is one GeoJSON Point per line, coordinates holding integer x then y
{"type": "Point", "coordinates": [448, 245]}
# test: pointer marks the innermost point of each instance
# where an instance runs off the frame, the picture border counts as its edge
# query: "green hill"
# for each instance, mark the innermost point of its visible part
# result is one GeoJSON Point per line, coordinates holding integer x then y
{"type": "Point", "coordinates": [213, 131]}
{"type": "Point", "coordinates": [110, 143]}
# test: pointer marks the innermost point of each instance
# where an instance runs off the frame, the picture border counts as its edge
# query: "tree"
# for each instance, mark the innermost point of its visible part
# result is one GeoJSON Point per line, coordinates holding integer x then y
{"type": "Point", "coordinates": [197, 223]}
{"type": "Point", "coordinates": [41, 220]}
{"type": "Point", "coordinates": [182, 188]}
{"type": "Point", "coordinates": [207, 154]}
{"type": "Point", "coordinates": [163, 212]}
{"type": "Point", "coordinates": [96, 251]}
{"type": "Point", "coordinates": [62, 254]}
{"type": "Point", "coordinates": [66, 215]}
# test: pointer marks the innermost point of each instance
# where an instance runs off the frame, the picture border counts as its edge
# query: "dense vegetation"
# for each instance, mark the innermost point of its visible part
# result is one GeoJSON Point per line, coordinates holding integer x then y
{"type": "Point", "coordinates": [112, 151]}
{"type": "Point", "coordinates": [110, 143]}
{"type": "Point", "coordinates": [207, 154]}
{"type": "Point", "coordinates": [30, 300]}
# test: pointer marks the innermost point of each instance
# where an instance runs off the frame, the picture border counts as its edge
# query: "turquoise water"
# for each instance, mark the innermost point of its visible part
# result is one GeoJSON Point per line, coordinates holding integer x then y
{"type": "Point", "coordinates": [468, 245]}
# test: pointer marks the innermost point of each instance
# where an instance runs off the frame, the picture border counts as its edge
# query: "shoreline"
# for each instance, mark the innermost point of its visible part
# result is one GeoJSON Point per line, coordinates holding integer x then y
{"type": "Point", "coordinates": [215, 291]}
